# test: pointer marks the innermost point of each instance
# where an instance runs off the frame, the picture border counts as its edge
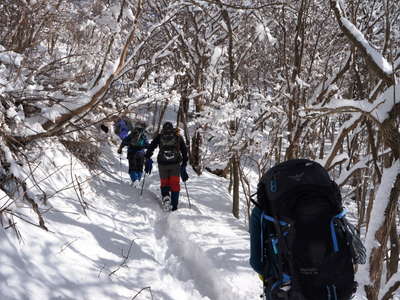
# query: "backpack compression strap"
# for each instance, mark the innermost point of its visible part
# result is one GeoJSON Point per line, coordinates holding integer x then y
{"type": "Point", "coordinates": [274, 276]}
{"type": "Point", "coordinates": [275, 240]}
{"type": "Point", "coordinates": [333, 231]}
{"type": "Point", "coordinates": [140, 134]}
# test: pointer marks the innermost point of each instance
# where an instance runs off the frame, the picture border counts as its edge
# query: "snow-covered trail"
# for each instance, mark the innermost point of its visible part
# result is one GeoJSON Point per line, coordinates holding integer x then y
{"type": "Point", "coordinates": [127, 246]}
{"type": "Point", "coordinates": [199, 251]}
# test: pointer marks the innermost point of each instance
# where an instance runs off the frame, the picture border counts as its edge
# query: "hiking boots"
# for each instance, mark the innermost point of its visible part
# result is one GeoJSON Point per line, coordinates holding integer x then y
{"type": "Point", "coordinates": [135, 184]}
{"type": "Point", "coordinates": [166, 203]}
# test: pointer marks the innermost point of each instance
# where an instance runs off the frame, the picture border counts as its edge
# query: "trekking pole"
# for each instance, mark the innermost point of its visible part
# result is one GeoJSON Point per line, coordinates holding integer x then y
{"type": "Point", "coordinates": [187, 194]}
{"type": "Point", "coordinates": [144, 178]}
{"type": "Point", "coordinates": [120, 169]}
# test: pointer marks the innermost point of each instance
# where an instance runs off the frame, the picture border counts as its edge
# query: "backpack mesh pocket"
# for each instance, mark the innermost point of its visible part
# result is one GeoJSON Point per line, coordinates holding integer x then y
{"type": "Point", "coordinates": [352, 237]}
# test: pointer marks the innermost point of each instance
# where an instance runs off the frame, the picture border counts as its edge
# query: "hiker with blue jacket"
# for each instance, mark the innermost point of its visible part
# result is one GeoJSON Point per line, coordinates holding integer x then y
{"type": "Point", "coordinates": [122, 127]}
{"type": "Point", "coordinates": [172, 159]}
{"type": "Point", "coordinates": [136, 141]}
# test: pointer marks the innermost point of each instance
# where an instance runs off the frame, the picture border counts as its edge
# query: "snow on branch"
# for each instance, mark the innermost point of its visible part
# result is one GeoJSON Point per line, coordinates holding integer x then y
{"type": "Point", "coordinates": [390, 287]}
{"type": "Point", "coordinates": [378, 215]}
{"type": "Point", "coordinates": [375, 59]}
{"type": "Point", "coordinates": [384, 65]}
{"type": "Point", "coordinates": [345, 174]}
{"type": "Point", "coordinates": [249, 7]}
{"type": "Point", "coordinates": [344, 130]}
{"type": "Point", "coordinates": [91, 98]}
{"type": "Point", "coordinates": [14, 185]}
{"type": "Point", "coordinates": [10, 57]}
{"type": "Point", "coordinates": [379, 110]}
{"type": "Point", "coordinates": [328, 85]}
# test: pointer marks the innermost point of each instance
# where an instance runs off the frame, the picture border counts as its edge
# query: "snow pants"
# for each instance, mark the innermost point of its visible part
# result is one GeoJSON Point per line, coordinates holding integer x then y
{"type": "Point", "coordinates": [169, 179]}
{"type": "Point", "coordinates": [136, 161]}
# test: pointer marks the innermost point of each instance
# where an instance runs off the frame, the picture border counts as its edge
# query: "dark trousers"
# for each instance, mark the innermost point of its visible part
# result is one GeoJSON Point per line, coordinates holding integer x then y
{"type": "Point", "coordinates": [136, 161]}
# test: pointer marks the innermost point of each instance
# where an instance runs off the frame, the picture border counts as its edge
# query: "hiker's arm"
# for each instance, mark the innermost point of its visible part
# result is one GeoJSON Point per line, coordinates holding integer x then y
{"type": "Point", "coordinates": [255, 241]}
{"type": "Point", "coordinates": [146, 142]}
{"type": "Point", "coordinates": [125, 142]}
{"type": "Point", "coordinates": [153, 145]}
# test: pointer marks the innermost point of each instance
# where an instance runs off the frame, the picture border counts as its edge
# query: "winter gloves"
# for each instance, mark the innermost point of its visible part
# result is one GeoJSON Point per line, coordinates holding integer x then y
{"type": "Point", "coordinates": [184, 174]}
{"type": "Point", "coordinates": [148, 165]}
{"type": "Point", "coordinates": [119, 151]}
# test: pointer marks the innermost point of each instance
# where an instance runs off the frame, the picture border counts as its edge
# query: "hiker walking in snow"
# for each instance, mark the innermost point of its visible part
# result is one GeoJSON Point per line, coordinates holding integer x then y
{"type": "Point", "coordinates": [172, 159]}
{"type": "Point", "coordinates": [122, 127]}
{"type": "Point", "coordinates": [301, 244]}
{"type": "Point", "coordinates": [136, 142]}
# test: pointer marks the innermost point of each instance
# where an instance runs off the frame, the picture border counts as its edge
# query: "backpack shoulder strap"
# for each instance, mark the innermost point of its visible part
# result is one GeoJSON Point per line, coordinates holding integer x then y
{"type": "Point", "coordinates": [136, 134]}
{"type": "Point", "coordinates": [252, 200]}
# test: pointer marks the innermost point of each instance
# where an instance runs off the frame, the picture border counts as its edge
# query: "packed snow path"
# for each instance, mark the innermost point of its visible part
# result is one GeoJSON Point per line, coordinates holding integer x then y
{"type": "Point", "coordinates": [196, 254]}
{"type": "Point", "coordinates": [127, 247]}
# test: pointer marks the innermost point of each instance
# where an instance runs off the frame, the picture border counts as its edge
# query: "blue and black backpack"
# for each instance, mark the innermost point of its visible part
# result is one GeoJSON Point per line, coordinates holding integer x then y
{"type": "Point", "coordinates": [309, 248]}
{"type": "Point", "coordinates": [137, 138]}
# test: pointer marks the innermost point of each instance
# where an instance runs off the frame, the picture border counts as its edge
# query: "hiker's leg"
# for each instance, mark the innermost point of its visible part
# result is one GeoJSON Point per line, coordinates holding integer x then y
{"type": "Point", "coordinates": [137, 164]}
{"type": "Point", "coordinates": [174, 200]}
{"type": "Point", "coordinates": [131, 162]}
{"type": "Point", "coordinates": [175, 186]}
{"type": "Point", "coordinates": [139, 161]}
{"type": "Point", "coordinates": [164, 182]}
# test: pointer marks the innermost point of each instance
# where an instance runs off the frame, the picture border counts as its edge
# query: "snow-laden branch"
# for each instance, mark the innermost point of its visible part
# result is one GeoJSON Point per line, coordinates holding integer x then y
{"type": "Point", "coordinates": [160, 54]}
{"type": "Point", "coordinates": [91, 98]}
{"type": "Point", "coordinates": [377, 218]}
{"type": "Point", "coordinates": [343, 158]}
{"type": "Point", "coordinates": [344, 130]}
{"type": "Point", "coordinates": [10, 57]}
{"type": "Point", "coordinates": [378, 110]}
{"type": "Point", "coordinates": [328, 85]}
{"type": "Point", "coordinates": [378, 59]}
{"type": "Point", "coordinates": [345, 174]}
{"type": "Point", "coordinates": [375, 59]}
{"type": "Point", "coordinates": [14, 185]}
{"type": "Point", "coordinates": [248, 7]}
{"type": "Point", "coordinates": [393, 281]}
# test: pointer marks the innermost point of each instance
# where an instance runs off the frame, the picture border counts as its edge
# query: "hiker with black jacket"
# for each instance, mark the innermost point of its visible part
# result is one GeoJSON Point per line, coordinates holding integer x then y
{"type": "Point", "coordinates": [172, 159]}
{"type": "Point", "coordinates": [136, 142]}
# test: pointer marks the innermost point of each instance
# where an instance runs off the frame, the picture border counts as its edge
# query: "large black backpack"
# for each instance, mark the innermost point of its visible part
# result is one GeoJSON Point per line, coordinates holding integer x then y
{"type": "Point", "coordinates": [137, 138]}
{"type": "Point", "coordinates": [169, 147]}
{"type": "Point", "coordinates": [309, 247]}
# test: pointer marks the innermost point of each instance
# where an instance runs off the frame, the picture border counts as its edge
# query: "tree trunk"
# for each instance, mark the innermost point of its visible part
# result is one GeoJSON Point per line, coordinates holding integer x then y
{"type": "Point", "coordinates": [182, 117]}
{"type": "Point", "coordinates": [393, 262]}
{"type": "Point", "coordinates": [236, 184]}
{"type": "Point", "coordinates": [195, 158]}
{"type": "Point", "coordinates": [391, 138]}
